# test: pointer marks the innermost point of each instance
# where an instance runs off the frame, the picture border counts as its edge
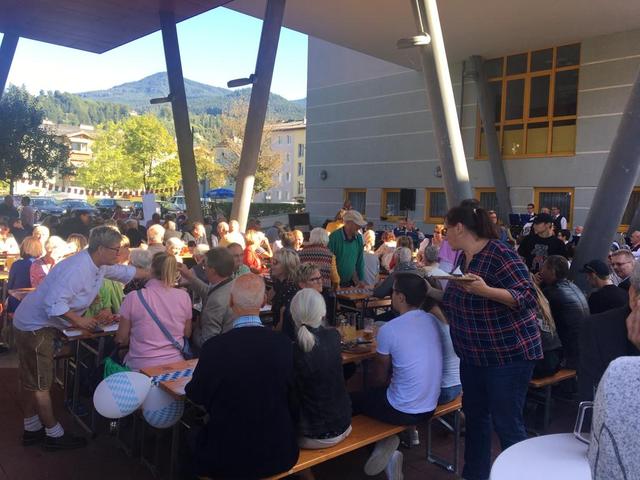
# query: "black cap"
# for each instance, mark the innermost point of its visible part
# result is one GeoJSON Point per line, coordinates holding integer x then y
{"type": "Point", "coordinates": [596, 266]}
{"type": "Point", "coordinates": [543, 218]}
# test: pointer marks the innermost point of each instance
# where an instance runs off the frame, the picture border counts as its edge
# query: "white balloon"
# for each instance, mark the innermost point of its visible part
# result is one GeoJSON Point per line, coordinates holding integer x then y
{"type": "Point", "coordinates": [121, 394]}
{"type": "Point", "coordinates": [160, 409]}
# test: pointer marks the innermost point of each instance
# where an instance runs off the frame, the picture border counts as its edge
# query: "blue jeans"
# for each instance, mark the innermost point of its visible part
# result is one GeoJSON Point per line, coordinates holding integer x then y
{"type": "Point", "coordinates": [492, 395]}
{"type": "Point", "coordinates": [448, 394]}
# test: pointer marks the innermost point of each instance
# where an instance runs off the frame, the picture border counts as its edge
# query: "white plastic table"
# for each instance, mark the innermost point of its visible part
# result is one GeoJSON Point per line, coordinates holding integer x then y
{"type": "Point", "coordinates": [549, 457]}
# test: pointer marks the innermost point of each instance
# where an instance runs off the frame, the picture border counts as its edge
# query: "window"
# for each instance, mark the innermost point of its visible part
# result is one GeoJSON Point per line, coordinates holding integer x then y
{"type": "Point", "coordinates": [288, 139]}
{"type": "Point", "coordinates": [279, 195]}
{"type": "Point", "coordinates": [555, 197]}
{"type": "Point", "coordinates": [279, 177]}
{"type": "Point", "coordinates": [536, 102]}
{"type": "Point", "coordinates": [357, 197]}
{"type": "Point", "coordinates": [487, 198]}
{"type": "Point", "coordinates": [286, 195]}
{"type": "Point", "coordinates": [288, 176]}
{"type": "Point", "coordinates": [300, 169]}
{"type": "Point", "coordinates": [632, 207]}
{"type": "Point", "coordinates": [301, 150]}
{"type": "Point", "coordinates": [300, 188]}
{"type": "Point", "coordinates": [435, 205]}
{"type": "Point", "coordinates": [390, 204]}
{"type": "Point", "coordinates": [79, 147]}
{"type": "Point", "coordinates": [287, 157]}
{"type": "Point", "coordinates": [279, 139]}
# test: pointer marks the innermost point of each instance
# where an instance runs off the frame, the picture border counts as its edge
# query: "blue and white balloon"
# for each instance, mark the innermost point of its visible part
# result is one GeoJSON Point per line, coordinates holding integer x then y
{"type": "Point", "coordinates": [160, 409]}
{"type": "Point", "coordinates": [121, 394]}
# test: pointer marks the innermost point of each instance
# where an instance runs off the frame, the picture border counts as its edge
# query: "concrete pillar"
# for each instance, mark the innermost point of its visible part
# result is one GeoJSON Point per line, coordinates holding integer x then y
{"type": "Point", "coordinates": [616, 184]}
{"type": "Point", "coordinates": [7, 51]}
{"type": "Point", "coordinates": [446, 129]}
{"type": "Point", "coordinates": [486, 102]}
{"type": "Point", "coordinates": [257, 111]}
{"type": "Point", "coordinates": [180, 111]}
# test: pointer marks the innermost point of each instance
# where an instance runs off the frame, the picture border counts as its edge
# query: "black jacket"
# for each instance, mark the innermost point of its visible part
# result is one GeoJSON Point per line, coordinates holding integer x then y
{"type": "Point", "coordinates": [602, 340]}
{"type": "Point", "coordinates": [325, 406]}
{"type": "Point", "coordinates": [569, 309]}
{"type": "Point", "coordinates": [244, 379]}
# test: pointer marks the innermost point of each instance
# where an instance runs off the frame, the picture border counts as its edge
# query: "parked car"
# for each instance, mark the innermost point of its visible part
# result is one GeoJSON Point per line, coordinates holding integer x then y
{"type": "Point", "coordinates": [71, 205]}
{"type": "Point", "coordinates": [162, 208]}
{"type": "Point", "coordinates": [45, 206]}
{"type": "Point", "coordinates": [108, 205]}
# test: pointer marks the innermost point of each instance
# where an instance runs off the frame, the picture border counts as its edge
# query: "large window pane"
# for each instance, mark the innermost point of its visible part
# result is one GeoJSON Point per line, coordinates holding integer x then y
{"type": "Point", "coordinates": [564, 136]}
{"type": "Point", "coordinates": [515, 99]}
{"type": "Point", "coordinates": [392, 204]}
{"type": "Point", "coordinates": [488, 200]}
{"type": "Point", "coordinates": [517, 64]}
{"type": "Point", "coordinates": [493, 67]}
{"type": "Point", "coordinates": [562, 200]}
{"type": "Point", "coordinates": [542, 60]}
{"type": "Point", "coordinates": [437, 204]}
{"type": "Point", "coordinates": [513, 140]}
{"type": "Point", "coordinates": [537, 137]}
{"type": "Point", "coordinates": [496, 91]}
{"type": "Point", "coordinates": [539, 97]}
{"type": "Point", "coordinates": [632, 206]}
{"type": "Point", "coordinates": [568, 55]}
{"type": "Point", "coordinates": [358, 200]}
{"type": "Point", "coordinates": [566, 93]}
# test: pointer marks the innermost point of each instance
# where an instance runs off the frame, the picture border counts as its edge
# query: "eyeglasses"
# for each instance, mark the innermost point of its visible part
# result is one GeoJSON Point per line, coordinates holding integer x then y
{"type": "Point", "coordinates": [315, 279]}
{"type": "Point", "coordinates": [115, 249]}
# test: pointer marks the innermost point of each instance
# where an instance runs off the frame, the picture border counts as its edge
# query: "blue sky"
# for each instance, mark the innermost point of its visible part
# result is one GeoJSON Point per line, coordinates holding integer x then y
{"type": "Point", "coordinates": [216, 46]}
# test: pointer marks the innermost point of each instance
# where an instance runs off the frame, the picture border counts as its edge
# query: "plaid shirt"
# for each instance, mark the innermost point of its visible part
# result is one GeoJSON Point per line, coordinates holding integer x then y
{"type": "Point", "coordinates": [488, 333]}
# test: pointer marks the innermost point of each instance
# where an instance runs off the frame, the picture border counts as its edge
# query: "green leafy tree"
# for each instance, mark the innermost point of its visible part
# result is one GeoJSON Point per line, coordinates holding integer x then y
{"type": "Point", "coordinates": [25, 147]}
{"type": "Point", "coordinates": [208, 168]}
{"type": "Point", "coordinates": [232, 124]}
{"type": "Point", "coordinates": [109, 169]}
{"type": "Point", "coordinates": [137, 152]}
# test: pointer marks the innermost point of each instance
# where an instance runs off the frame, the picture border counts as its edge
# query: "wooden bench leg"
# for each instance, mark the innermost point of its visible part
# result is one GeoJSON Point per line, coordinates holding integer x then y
{"type": "Point", "coordinates": [431, 458]}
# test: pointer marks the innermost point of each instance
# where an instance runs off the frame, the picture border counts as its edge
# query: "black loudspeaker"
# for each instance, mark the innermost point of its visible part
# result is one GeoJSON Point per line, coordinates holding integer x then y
{"type": "Point", "coordinates": [407, 199]}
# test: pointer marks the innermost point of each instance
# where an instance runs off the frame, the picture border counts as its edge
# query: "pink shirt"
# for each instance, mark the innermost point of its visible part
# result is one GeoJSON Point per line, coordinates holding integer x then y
{"type": "Point", "coordinates": [40, 269]}
{"type": "Point", "coordinates": [148, 346]}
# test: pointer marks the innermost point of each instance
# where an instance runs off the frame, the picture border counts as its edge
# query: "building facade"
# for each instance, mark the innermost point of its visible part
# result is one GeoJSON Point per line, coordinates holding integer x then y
{"type": "Point", "coordinates": [370, 130]}
{"type": "Point", "coordinates": [288, 140]}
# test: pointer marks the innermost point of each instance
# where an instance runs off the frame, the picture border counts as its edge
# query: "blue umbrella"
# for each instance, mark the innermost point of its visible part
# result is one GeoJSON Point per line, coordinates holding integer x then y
{"type": "Point", "coordinates": [220, 193]}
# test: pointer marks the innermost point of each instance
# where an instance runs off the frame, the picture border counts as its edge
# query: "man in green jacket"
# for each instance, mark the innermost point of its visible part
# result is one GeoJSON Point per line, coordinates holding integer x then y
{"type": "Point", "coordinates": [347, 245]}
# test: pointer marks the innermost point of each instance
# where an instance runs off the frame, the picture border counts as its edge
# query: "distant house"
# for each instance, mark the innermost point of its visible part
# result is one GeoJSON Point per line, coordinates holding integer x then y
{"type": "Point", "coordinates": [78, 138]}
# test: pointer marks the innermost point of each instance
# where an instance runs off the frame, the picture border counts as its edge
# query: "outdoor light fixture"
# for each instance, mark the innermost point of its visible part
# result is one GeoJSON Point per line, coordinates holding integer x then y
{"type": "Point", "coordinates": [167, 99]}
{"type": "Point", "coordinates": [241, 82]}
{"type": "Point", "coordinates": [416, 41]}
{"type": "Point", "coordinates": [323, 175]}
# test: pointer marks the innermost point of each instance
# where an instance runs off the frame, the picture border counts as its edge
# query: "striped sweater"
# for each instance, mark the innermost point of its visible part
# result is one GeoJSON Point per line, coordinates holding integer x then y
{"type": "Point", "coordinates": [324, 259]}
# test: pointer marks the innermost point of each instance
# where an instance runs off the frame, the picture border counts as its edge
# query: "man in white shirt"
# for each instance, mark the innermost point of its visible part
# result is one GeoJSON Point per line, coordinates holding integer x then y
{"type": "Point", "coordinates": [59, 301]}
{"type": "Point", "coordinates": [406, 372]}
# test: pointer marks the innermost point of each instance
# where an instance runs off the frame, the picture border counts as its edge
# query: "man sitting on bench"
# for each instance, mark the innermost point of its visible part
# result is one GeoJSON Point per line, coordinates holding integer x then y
{"type": "Point", "coordinates": [406, 372]}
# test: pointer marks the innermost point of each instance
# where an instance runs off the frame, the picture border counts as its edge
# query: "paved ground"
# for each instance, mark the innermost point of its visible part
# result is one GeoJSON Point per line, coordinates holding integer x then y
{"type": "Point", "coordinates": [104, 460]}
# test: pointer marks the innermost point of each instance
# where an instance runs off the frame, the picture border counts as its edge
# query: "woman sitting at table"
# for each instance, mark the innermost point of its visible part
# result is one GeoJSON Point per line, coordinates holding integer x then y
{"type": "Point", "coordinates": [55, 250]}
{"type": "Point", "coordinates": [140, 258]}
{"type": "Point", "coordinates": [41, 232]}
{"type": "Point", "coordinates": [251, 259]}
{"type": "Point", "coordinates": [19, 274]}
{"type": "Point", "coordinates": [325, 407]}
{"type": "Point", "coordinates": [283, 274]}
{"type": "Point", "coordinates": [174, 248]}
{"type": "Point", "coordinates": [385, 251]}
{"type": "Point", "coordinates": [76, 242]}
{"type": "Point", "coordinates": [148, 346]}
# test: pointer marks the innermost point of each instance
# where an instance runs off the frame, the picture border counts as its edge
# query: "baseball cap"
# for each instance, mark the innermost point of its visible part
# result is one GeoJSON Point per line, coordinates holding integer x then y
{"type": "Point", "coordinates": [355, 217]}
{"type": "Point", "coordinates": [543, 218]}
{"type": "Point", "coordinates": [596, 266]}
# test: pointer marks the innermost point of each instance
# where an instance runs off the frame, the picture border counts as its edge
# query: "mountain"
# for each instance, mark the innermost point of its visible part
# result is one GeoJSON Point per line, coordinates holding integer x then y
{"type": "Point", "coordinates": [202, 98]}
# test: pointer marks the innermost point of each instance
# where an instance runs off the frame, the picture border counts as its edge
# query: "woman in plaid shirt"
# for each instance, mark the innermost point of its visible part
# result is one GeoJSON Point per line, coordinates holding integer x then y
{"type": "Point", "coordinates": [494, 332]}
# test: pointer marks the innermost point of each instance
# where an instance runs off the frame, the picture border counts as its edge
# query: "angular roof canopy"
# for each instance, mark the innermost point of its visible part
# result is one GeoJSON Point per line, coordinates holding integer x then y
{"type": "Point", "coordinates": [487, 27]}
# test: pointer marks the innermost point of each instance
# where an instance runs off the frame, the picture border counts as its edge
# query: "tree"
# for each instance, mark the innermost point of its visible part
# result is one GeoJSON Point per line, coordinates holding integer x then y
{"type": "Point", "coordinates": [134, 153]}
{"type": "Point", "coordinates": [232, 123]}
{"type": "Point", "coordinates": [208, 169]}
{"type": "Point", "coordinates": [25, 147]}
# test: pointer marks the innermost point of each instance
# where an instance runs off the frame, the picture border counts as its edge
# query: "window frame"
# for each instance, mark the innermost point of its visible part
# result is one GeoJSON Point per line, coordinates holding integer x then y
{"type": "Point", "coordinates": [347, 191]}
{"type": "Point", "coordinates": [383, 205]}
{"type": "Point", "coordinates": [624, 227]}
{"type": "Point", "coordinates": [427, 206]}
{"type": "Point", "coordinates": [570, 190]}
{"type": "Point", "coordinates": [480, 190]}
{"type": "Point", "coordinates": [525, 121]}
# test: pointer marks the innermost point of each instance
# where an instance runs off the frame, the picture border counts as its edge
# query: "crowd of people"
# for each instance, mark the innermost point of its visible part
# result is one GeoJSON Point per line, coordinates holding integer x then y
{"type": "Point", "coordinates": [474, 310]}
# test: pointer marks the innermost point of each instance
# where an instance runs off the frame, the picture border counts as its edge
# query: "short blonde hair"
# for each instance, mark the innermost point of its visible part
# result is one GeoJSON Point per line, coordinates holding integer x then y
{"type": "Point", "coordinates": [40, 231]}
{"type": "Point", "coordinates": [289, 260]}
{"type": "Point", "coordinates": [155, 233]}
{"type": "Point", "coordinates": [307, 310]}
{"type": "Point", "coordinates": [369, 238]}
{"type": "Point", "coordinates": [305, 271]}
{"type": "Point", "coordinates": [31, 248]}
{"type": "Point", "coordinates": [319, 236]}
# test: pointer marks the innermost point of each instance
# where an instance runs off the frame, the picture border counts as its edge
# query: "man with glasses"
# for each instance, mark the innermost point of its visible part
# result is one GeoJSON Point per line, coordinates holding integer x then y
{"type": "Point", "coordinates": [622, 262]}
{"type": "Point", "coordinates": [58, 303]}
{"type": "Point", "coordinates": [237, 252]}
